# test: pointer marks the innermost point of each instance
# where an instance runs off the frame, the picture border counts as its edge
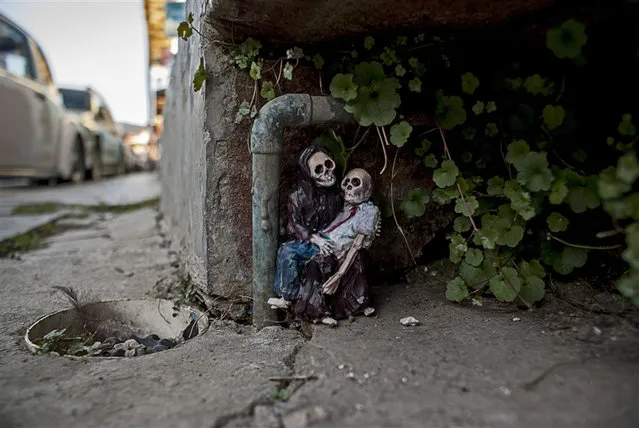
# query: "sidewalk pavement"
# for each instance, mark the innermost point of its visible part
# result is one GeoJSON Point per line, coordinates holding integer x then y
{"type": "Point", "coordinates": [462, 366]}
{"type": "Point", "coordinates": [125, 190]}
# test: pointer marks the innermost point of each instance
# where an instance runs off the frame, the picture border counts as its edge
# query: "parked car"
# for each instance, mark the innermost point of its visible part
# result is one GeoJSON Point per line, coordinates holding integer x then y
{"type": "Point", "coordinates": [137, 143]}
{"type": "Point", "coordinates": [87, 107]}
{"type": "Point", "coordinates": [37, 139]}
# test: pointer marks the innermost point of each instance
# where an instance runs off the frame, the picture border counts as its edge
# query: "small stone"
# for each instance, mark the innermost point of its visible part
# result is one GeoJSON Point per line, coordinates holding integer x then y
{"type": "Point", "coordinates": [359, 407]}
{"type": "Point", "coordinates": [129, 353]}
{"type": "Point", "coordinates": [341, 366]}
{"type": "Point", "coordinates": [305, 417]}
{"type": "Point", "coordinates": [409, 321]}
{"type": "Point", "coordinates": [350, 375]}
{"type": "Point", "coordinates": [404, 380]}
{"type": "Point", "coordinates": [515, 319]}
{"type": "Point", "coordinates": [597, 331]}
{"type": "Point", "coordinates": [505, 391]}
{"type": "Point", "coordinates": [158, 348]}
{"type": "Point", "coordinates": [366, 375]}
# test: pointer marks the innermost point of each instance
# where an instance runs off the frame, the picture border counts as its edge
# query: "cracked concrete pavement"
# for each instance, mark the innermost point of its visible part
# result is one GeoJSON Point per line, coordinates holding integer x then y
{"type": "Point", "coordinates": [462, 366]}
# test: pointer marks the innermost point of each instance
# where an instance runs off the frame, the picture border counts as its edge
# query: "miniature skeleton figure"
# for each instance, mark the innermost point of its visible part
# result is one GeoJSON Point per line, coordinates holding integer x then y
{"type": "Point", "coordinates": [311, 207]}
{"type": "Point", "coordinates": [334, 286]}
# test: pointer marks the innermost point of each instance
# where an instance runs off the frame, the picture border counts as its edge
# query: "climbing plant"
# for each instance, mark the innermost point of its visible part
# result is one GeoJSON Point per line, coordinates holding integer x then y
{"type": "Point", "coordinates": [510, 147]}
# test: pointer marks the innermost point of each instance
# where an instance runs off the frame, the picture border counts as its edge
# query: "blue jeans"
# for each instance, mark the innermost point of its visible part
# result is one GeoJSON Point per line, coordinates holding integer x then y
{"type": "Point", "coordinates": [291, 258]}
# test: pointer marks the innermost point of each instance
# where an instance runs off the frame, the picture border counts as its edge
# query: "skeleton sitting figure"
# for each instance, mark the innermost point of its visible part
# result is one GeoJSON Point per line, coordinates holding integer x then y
{"type": "Point", "coordinates": [334, 286]}
{"type": "Point", "coordinates": [311, 207]}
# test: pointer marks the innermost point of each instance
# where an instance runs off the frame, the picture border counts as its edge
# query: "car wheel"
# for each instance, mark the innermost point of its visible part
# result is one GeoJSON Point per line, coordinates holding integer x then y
{"type": "Point", "coordinates": [121, 164]}
{"type": "Point", "coordinates": [78, 168]}
{"type": "Point", "coordinates": [96, 170]}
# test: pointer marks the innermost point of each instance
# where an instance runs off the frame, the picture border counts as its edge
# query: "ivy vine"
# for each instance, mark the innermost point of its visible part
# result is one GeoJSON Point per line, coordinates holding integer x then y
{"type": "Point", "coordinates": [495, 150]}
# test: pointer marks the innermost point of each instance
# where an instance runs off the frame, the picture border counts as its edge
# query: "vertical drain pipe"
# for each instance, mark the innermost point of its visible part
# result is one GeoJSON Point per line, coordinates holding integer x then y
{"type": "Point", "coordinates": [267, 135]}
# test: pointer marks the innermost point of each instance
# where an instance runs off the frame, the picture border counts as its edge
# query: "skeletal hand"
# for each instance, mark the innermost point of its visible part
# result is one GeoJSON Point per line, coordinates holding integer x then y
{"type": "Point", "coordinates": [330, 286]}
{"type": "Point", "coordinates": [326, 246]}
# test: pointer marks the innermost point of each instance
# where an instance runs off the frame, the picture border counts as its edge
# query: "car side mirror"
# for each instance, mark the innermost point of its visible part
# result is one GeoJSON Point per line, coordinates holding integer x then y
{"type": "Point", "coordinates": [7, 44]}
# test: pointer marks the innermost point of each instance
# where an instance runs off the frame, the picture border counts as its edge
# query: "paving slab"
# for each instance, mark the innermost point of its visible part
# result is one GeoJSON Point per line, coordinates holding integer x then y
{"type": "Point", "coordinates": [124, 190]}
{"type": "Point", "coordinates": [17, 225]}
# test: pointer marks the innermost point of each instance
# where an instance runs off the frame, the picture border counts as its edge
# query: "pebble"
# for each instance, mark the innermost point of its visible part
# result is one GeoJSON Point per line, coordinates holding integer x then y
{"type": "Point", "coordinates": [409, 321]}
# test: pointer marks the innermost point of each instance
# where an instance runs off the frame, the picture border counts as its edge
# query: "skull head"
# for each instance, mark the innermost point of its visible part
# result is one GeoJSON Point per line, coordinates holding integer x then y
{"type": "Point", "coordinates": [322, 169]}
{"type": "Point", "coordinates": [357, 186]}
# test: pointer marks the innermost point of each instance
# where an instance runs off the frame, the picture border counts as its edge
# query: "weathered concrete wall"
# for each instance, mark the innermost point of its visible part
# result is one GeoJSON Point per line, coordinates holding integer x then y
{"type": "Point", "coordinates": [206, 163]}
{"type": "Point", "coordinates": [183, 161]}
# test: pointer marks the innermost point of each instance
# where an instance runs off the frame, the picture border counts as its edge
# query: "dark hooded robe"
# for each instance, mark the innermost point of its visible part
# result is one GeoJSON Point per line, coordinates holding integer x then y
{"type": "Point", "coordinates": [310, 209]}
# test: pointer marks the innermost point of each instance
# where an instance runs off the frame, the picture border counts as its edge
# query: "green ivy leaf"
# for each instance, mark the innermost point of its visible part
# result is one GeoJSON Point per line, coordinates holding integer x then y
{"type": "Point", "coordinates": [478, 108]}
{"type": "Point", "coordinates": [567, 40]}
{"type": "Point", "coordinates": [184, 30]}
{"type": "Point", "coordinates": [516, 152]}
{"type": "Point", "coordinates": [399, 70]}
{"type": "Point", "coordinates": [495, 186]}
{"type": "Point", "coordinates": [456, 290]}
{"type": "Point", "coordinates": [583, 198]}
{"type": "Point", "coordinates": [476, 276]}
{"type": "Point", "coordinates": [377, 105]}
{"type": "Point", "coordinates": [414, 205]}
{"type": "Point", "coordinates": [491, 129]}
{"type": "Point", "coordinates": [246, 53]}
{"type": "Point", "coordinates": [368, 73]}
{"type": "Point", "coordinates": [200, 76]}
{"type": "Point", "coordinates": [415, 85]}
{"type": "Point", "coordinates": [534, 172]}
{"type": "Point", "coordinates": [244, 110]}
{"type": "Point", "coordinates": [474, 257]}
{"type": "Point", "coordinates": [369, 42]}
{"type": "Point", "coordinates": [288, 71]}
{"type": "Point", "coordinates": [628, 168]}
{"type": "Point", "coordinates": [629, 287]}
{"type": "Point", "coordinates": [532, 268]}
{"type": "Point", "coordinates": [471, 203]}
{"type": "Point", "coordinates": [609, 185]}
{"type": "Point", "coordinates": [468, 133]}
{"type": "Point", "coordinates": [491, 107]}
{"type": "Point", "coordinates": [631, 253]}
{"type": "Point", "coordinates": [444, 196]}
{"type": "Point", "coordinates": [268, 91]}
{"type": "Point", "coordinates": [537, 85]}
{"type": "Point", "coordinates": [557, 222]}
{"type": "Point", "coordinates": [450, 111]}
{"type": "Point", "coordinates": [512, 237]}
{"type": "Point", "coordinates": [425, 147]}
{"type": "Point", "coordinates": [446, 175]}
{"type": "Point", "coordinates": [515, 83]}
{"type": "Point", "coordinates": [457, 248]}
{"type": "Point", "coordinates": [189, 18]}
{"type": "Point", "coordinates": [256, 71]}
{"type": "Point", "coordinates": [469, 83]}
{"type": "Point", "coordinates": [506, 285]}
{"type": "Point", "coordinates": [533, 289]}
{"type": "Point", "coordinates": [318, 61]}
{"type": "Point", "coordinates": [558, 192]}
{"type": "Point", "coordinates": [626, 127]}
{"type": "Point", "coordinates": [461, 224]}
{"type": "Point", "coordinates": [570, 259]}
{"type": "Point", "coordinates": [520, 200]}
{"type": "Point", "coordinates": [342, 87]}
{"type": "Point", "coordinates": [553, 116]}
{"type": "Point", "coordinates": [389, 57]}
{"type": "Point", "coordinates": [400, 132]}
{"type": "Point", "coordinates": [430, 161]}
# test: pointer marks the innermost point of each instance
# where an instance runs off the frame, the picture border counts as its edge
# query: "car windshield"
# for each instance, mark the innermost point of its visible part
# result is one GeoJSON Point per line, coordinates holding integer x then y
{"type": "Point", "coordinates": [75, 100]}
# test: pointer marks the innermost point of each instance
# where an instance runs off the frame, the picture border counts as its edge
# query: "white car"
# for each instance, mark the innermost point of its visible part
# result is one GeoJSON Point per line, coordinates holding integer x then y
{"type": "Point", "coordinates": [37, 139]}
{"type": "Point", "coordinates": [88, 108]}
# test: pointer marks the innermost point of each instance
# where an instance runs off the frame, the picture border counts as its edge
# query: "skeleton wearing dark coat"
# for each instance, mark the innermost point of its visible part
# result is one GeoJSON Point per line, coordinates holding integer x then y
{"type": "Point", "coordinates": [311, 207]}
